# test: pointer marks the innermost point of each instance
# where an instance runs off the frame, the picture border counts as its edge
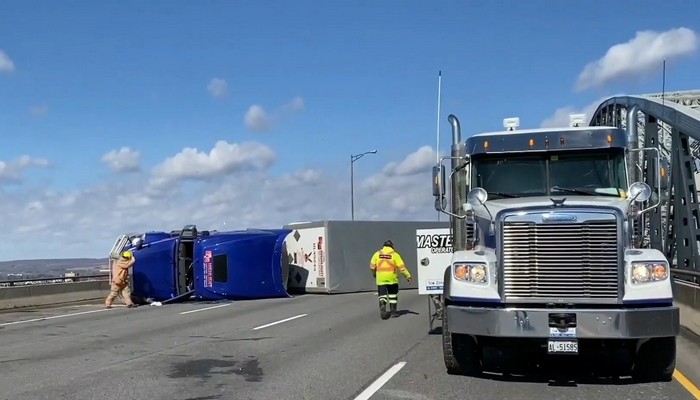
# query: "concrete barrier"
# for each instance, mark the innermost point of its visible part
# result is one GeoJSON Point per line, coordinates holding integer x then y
{"type": "Point", "coordinates": [41, 295]}
{"type": "Point", "coordinates": [687, 297]}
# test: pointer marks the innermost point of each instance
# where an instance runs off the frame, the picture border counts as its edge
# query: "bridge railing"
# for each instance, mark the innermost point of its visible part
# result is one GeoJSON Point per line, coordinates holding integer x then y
{"type": "Point", "coordinates": [53, 280]}
{"type": "Point", "coordinates": [686, 295]}
{"type": "Point", "coordinates": [42, 291]}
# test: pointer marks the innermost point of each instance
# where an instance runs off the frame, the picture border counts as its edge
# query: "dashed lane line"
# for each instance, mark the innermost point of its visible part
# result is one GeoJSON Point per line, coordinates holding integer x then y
{"type": "Point", "coordinates": [381, 381]}
{"type": "Point", "coordinates": [205, 309]}
{"type": "Point", "coordinates": [279, 322]}
{"type": "Point", "coordinates": [24, 321]}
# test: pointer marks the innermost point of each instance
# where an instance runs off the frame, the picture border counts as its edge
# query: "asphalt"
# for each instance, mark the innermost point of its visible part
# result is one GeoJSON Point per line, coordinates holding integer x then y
{"type": "Point", "coordinates": [327, 347]}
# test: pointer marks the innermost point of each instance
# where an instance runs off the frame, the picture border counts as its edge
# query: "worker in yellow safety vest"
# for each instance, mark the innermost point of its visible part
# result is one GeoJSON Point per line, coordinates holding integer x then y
{"type": "Point", "coordinates": [384, 266]}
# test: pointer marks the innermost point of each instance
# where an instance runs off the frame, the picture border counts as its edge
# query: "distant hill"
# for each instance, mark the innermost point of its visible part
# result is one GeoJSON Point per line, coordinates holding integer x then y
{"type": "Point", "coordinates": [52, 267]}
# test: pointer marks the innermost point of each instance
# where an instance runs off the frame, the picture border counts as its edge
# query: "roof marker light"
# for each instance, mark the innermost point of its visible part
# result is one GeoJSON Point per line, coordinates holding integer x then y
{"type": "Point", "coordinates": [532, 143]}
{"type": "Point", "coordinates": [609, 139]}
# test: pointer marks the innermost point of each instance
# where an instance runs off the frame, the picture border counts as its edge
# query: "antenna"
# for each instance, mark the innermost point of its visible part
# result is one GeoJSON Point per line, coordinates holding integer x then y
{"type": "Point", "coordinates": [437, 144]}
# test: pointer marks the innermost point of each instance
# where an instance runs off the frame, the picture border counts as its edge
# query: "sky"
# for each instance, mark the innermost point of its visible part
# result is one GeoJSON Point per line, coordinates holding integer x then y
{"type": "Point", "coordinates": [126, 116]}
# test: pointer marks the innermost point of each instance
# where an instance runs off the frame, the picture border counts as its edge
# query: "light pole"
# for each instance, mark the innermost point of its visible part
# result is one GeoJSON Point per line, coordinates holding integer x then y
{"type": "Point", "coordinates": [353, 158]}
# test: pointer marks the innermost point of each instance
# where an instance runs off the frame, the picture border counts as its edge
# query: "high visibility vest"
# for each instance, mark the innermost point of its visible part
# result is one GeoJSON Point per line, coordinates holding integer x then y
{"type": "Point", "coordinates": [386, 262]}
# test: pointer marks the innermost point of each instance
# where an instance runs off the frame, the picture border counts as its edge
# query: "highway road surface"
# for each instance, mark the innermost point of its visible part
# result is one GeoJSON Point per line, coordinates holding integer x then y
{"type": "Point", "coordinates": [307, 347]}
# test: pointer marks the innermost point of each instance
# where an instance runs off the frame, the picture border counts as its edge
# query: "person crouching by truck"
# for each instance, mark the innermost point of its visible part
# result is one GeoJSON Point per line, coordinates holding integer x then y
{"type": "Point", "coordinates": [384, 266]}
{"type": "Point", "coordinates": [120, 280]}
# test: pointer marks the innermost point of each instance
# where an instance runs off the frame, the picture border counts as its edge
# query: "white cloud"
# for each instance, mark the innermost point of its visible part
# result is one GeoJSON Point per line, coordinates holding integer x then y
{"type": "Point", "coordinates": [639, 57]}
{"type": "Point", "coordinates": [257, 119]}
{"type": "Point", "coordinates": [12, 171]}
{"type": "Point", "coordinates": [6, 64]}
{"type": "Point", "coordinates": [419, 161]}
{"type": "Point", "coordinates": [122, 160]}
{"type": "Point", "coordinates": [218, 87]}
{"type": "Point", "coordinates": [224, 158]}
{"type": "Point", "coordinates": [241, 192]}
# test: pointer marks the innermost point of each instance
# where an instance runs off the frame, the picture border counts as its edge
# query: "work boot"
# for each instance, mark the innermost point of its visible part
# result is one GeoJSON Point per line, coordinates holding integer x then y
{"type": "Point", "coordinates": [382, 309]}
{"type": "Point", "coordinates": [394, 313]}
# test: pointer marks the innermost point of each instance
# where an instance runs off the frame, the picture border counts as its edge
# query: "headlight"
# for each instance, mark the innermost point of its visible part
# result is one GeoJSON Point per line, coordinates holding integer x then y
{"type": "Point", "coordinates": [649, 272]}
{"type": "Point", "coordinates": [474, 273]}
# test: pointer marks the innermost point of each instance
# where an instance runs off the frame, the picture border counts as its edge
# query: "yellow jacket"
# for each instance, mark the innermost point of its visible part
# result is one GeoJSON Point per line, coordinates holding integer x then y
{"type": "Point", "coordinates": [385, 264]}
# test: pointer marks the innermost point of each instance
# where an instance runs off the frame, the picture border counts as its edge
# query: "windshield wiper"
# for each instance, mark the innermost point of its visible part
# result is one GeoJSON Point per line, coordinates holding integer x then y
{"type": "Point", "coordinates": [585, 192]}
{"type": "Point", "coordinates": [510, 195]}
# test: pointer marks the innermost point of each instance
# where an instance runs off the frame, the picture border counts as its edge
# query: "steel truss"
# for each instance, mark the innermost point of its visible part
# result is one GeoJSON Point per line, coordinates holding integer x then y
{"type": "Point", "coordinates": [671, 123]}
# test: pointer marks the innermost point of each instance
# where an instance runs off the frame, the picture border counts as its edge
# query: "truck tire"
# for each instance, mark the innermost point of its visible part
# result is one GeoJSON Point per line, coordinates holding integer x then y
{"type": "Point", "coordinates": [655, 360]}
{"type": "Point", "coordinates": [459, 351]}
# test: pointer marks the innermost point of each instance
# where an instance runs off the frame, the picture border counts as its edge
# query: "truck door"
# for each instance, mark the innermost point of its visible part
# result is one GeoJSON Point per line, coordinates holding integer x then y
{"type": "Point", "coordinates": [155, 269]}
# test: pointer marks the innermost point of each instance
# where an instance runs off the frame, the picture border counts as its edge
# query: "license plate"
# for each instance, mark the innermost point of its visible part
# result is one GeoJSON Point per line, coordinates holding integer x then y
{"type": "Point", "coordinates": [562, 346]}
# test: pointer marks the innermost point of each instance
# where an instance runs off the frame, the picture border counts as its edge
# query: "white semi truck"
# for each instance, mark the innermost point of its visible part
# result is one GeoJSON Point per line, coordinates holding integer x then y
{"type": "Point", "coordinates": [543, 251]}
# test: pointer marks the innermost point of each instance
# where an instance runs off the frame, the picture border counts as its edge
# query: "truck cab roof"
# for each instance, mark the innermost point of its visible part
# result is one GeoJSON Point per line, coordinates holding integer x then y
{"type": "Point", "coordinates": [547, 139]}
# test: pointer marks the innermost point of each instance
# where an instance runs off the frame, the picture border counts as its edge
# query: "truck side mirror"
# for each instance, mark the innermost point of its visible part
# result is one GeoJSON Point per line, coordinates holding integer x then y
{"type": "Point", "coordinates": [438, 181]}
{"type": "Point", "coordinates": [440, 203]}
{"type": "Point", "coordinates": [477, 197]}
{"type": "Point", "coordinates": [639, 192]}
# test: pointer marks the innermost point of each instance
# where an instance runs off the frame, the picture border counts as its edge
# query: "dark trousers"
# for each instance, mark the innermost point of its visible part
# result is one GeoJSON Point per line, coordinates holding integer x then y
{"type": "Point", "coordinates": [389, 293]}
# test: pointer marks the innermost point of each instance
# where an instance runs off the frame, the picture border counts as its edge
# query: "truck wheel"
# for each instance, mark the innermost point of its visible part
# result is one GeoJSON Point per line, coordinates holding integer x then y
{"type": "Point", "coordinates": [655, 360]}
{"type": "Point", "coordinates": [459, 351]}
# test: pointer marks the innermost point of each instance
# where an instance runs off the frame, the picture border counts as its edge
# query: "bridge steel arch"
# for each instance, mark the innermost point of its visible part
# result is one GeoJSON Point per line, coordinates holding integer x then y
{"type": "Point", "coordinates": [670, 123]}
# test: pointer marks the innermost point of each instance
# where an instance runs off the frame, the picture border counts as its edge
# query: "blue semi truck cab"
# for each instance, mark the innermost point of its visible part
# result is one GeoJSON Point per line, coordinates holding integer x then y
{"type": "Point", "coordinates": [207, 265]}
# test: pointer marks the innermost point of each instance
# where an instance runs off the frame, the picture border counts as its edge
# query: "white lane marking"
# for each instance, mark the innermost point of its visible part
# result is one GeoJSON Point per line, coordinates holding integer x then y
{"type": "Point", "coordinates": [280, 321]}
{"type": "Point", "coordinates": [51, 317]}
{"type": "Point", "coordinates": [381, 381]}
{"type": "Point", "coordinates": [205, 308]}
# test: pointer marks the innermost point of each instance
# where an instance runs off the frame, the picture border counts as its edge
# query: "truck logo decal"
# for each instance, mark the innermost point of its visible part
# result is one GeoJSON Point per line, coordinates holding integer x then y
{"type": "Point", "coordinates": [436, 243]}
{"type": "Point", "coordinates": [559, 218]}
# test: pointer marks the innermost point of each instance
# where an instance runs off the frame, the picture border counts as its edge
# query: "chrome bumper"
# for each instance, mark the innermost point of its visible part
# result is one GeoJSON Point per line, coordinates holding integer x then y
{"type": "Point", "coordinates": [589, 323]}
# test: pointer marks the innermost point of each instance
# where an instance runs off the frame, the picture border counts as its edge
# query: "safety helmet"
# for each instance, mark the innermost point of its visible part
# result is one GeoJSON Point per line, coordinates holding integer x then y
{"type": "Point", "coordinates": [126, 254]}
{"type": "Point", "coordinates": [389, 243]}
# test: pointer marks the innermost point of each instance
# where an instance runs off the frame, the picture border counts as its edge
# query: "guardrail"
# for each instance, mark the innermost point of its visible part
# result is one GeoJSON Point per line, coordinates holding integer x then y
{"type": "Point", "coordinates": [49, 291]}
{"type": "Point", "coordinates": [686, 293]}
{"type": "Point", "coordinates": [694, 274]}
{"type": "Point", "coordinates": [53, 280]}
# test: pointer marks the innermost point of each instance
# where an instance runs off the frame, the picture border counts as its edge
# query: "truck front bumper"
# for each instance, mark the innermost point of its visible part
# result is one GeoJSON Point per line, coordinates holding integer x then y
{"type": "Point", "coordinates": [586, 323]}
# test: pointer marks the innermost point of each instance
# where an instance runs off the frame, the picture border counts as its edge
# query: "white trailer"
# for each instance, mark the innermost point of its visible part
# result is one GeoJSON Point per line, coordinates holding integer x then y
{"type": "Point", "coordinates": [333, 256]}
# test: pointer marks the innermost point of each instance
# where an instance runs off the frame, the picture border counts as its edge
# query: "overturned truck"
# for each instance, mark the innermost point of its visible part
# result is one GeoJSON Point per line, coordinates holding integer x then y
{"type": "Point", "coordinates": [314, 257]}
{"type": "Point", "coordinates": [206, 265]}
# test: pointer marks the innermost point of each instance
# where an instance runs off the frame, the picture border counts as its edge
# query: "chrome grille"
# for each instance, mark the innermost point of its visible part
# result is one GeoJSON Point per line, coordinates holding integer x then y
{"type": "Point", "coordinates": [562, 260]}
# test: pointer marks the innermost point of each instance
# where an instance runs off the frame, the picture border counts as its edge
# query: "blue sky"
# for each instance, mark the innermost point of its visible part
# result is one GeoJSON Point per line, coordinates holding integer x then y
{"type": "Point", "coordinates": [337, 78]}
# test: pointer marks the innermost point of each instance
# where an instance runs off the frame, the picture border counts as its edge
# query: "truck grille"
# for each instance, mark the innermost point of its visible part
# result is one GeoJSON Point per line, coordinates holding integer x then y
{"type": "Point", "coordinates": [565, 260]}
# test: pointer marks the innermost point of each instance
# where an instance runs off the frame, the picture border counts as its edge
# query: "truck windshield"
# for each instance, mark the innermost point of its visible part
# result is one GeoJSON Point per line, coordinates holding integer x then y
{"type": "Point", "coordinates": [584, 173]}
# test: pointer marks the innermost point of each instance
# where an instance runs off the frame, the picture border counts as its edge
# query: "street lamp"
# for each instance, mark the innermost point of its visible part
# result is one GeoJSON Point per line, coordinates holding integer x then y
{"type": "Point", "coordinates": [353, 158]}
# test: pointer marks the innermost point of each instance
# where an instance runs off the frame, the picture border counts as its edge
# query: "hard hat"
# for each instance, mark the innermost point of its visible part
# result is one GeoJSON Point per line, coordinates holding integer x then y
{"type": "Point", "coordinates": [126, 254]}
{"type": "Point", "coordinates": [389, 243]}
